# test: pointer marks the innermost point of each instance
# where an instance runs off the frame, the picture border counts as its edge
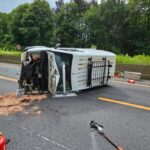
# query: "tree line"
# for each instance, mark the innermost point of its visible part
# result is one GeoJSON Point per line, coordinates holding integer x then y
{"type": "Point", "coordinates": [119, 26]}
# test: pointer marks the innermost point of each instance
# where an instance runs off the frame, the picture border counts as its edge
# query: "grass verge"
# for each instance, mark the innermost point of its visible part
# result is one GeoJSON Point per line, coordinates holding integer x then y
{"type": "Point", "coordinates": [10, 53]}
{"type": "Point", "coordinates": [14, 55]}
{"type": "Point", "coordinates": [137, 60]}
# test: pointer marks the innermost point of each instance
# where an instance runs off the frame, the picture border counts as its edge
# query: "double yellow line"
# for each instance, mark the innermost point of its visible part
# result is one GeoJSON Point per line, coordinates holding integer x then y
{"type": "Point", "coordinates": [124, 103]}
{"type": "Point", "coordinates": [8, 78]}
{"type": "Point", "coordinates": [5, 77]}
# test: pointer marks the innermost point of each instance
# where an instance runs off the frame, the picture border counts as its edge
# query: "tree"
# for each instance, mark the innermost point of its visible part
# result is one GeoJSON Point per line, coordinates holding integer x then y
{"type": "Point", "coordinates": [139, 25]}
{"type": "Point", "coordinates": [5, 36]}
{"type": "Point", "coordinates": [33, 24]}
{"type": "Point", "coordinates": [59, 4]}
{"type": "Point", "coordinates": [114, 25]}
{"type": "Point", "coordinates": [18, 27]}
{"type": "Point", "coordinates": [104, 24]}
{"type": "Point", "coordinates": [69, 24]}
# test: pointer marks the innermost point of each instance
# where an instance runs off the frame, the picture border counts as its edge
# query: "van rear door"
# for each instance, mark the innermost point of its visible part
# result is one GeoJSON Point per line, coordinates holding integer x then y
{"type": "Point", "coordinates": [53, 74]}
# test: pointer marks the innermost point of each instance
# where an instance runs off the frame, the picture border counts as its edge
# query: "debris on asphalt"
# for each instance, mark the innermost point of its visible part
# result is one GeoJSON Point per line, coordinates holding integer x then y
{"type": "Point", "coordinates": [10, 104]}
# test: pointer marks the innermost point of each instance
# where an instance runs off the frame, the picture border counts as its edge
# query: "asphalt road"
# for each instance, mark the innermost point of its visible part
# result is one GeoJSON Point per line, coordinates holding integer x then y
{"type": "Point", "coordinates": [64, 122]}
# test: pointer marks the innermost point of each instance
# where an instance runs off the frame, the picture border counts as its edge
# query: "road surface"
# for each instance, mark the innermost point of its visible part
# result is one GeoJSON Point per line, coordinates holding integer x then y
{"type": "Point", "coordinates": [123, 109]}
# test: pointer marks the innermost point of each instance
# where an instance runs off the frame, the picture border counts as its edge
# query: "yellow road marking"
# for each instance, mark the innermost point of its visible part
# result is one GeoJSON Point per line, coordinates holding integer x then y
{"type": "Point", "coordinates": [10, 66]}
{"type": "Point", "coordinates": [124, 103]}
{"type": "Point", "coordinates": [8, 78]}
{"type": "Point", "coordinates": [134, 84]}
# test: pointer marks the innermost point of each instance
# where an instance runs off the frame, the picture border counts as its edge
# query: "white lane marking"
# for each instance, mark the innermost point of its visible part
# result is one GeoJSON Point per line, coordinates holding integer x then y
{"type": "Point", "coordinates": [41, 136]}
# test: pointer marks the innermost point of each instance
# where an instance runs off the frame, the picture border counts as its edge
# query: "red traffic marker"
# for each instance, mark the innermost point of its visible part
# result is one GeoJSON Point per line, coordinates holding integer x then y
{"type": "Point", "coordinates": [131, 81]}
{"type": "Point", "coordinates": [2, 142]}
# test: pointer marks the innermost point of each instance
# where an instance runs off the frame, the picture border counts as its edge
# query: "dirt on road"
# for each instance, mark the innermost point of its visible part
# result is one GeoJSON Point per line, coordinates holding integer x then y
{"type": "Point", "coordinates": [10, 104]}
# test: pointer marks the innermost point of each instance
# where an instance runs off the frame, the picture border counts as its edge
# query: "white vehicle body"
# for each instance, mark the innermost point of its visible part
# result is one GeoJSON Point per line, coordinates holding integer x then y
{"type": "Point", "coordinates": [85, 68]}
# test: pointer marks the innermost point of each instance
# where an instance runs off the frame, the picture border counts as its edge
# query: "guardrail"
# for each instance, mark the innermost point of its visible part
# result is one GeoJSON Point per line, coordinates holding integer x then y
{"type": "Point", "coordinates": [143, 69]}
{"type": "Point", "coordinates": [10, 59]}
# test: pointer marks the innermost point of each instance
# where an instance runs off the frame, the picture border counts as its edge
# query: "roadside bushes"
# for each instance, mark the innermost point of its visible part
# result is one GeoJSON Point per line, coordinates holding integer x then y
{"type": "Point", "coordinates": [137, 59]}
{"type": "Point", "coordinates": [10, 53]}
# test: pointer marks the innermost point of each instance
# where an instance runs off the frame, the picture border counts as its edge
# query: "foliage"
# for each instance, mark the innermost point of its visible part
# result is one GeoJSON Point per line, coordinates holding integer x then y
{"type": "Point", "coordinates": [9, 53]}
{"type": "Point", "coordinates": [137, 59]}
{"type": "Point", "coordinates": [120, 59]}
{"type": "Point", "coordinates": [69, 21]}
{"type": "Point", "coordinates": [32, 24]}
{"type": "Point", "coordinates": [118, 26]}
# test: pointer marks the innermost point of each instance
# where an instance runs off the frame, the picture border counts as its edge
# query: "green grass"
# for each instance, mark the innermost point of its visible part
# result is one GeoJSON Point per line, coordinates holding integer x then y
{"type": "Point", "coordinates": [10, 53]}
{"type": "Point", "coordinates": [138, 59]}
{"type": "Point", "coordinates": [121, 59]}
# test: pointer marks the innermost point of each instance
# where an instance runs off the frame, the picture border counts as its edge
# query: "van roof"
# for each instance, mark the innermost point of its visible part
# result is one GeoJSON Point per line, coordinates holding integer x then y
{"type": "Point", "coordinates": [73, 51]}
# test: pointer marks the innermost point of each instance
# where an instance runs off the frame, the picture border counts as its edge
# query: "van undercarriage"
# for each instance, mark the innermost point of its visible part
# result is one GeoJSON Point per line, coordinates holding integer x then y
{"type": "Point", "coordinates": [34, 73]}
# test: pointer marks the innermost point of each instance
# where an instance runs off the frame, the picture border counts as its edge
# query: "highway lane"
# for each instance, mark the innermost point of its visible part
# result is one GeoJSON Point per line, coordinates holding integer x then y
{"type": "Point", "coordinates": [64, 122]}
{"type": "Point", "coordinates": [7, 86]}
{"type": "Point", "coordinates": [9, 70]}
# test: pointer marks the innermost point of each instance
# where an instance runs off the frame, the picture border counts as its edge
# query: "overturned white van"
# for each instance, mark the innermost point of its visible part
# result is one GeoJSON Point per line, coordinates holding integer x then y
{"type": "Point", "coordinates": [63, 70]}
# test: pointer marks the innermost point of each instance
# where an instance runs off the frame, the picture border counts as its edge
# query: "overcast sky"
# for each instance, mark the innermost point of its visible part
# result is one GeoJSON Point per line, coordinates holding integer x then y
{"type": "Point", "coordinates": [8, 5]}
